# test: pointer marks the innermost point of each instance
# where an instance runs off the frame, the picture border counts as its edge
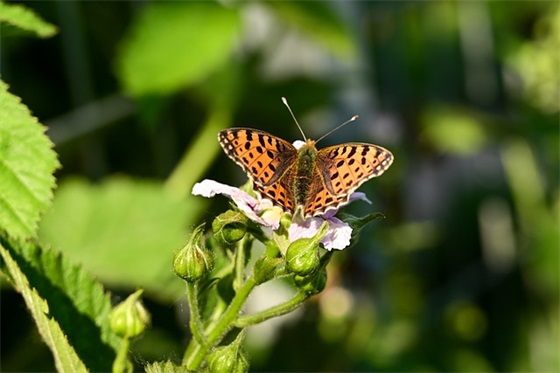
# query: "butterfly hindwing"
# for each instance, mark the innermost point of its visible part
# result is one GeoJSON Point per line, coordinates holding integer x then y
{"type": "Point", "coordinates": [342, 169]}
{"type": "Point", "coordinates": [264, 157]}
{"type": "Point", "coordinates": [281, 192]}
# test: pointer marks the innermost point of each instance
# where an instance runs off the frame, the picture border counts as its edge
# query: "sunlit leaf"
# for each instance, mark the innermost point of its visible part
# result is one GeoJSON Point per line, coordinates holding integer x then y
{"type": "Point", "coordinates": [27, 163]}
{"type": "Point", "coordinates": [19, 17]}
{"type": "Point", "coordinates": [174, 44]}
{"type": "Point", "coordinates": [124, 231]}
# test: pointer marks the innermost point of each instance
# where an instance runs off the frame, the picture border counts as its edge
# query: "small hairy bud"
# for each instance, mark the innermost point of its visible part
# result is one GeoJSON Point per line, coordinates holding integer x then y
{"type": "Point", "coordinates": [302, 256]}
{"type": "Point", "coordinates": [229, 227]}
{"type": "Point", "coordinates": [228, 359]}
{"type": "Point", "coordinates": [193, 261]}
{"type": "Point", "coordinates": [129, 319]}
{"type": "Point", "coordinates": [312, 284]}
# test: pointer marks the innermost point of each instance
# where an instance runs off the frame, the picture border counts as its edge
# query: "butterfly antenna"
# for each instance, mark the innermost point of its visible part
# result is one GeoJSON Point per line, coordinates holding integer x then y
{"type": "Point", "coordinates": [337, 128]}
{"type": "Point", "coordinates": [293, 116]}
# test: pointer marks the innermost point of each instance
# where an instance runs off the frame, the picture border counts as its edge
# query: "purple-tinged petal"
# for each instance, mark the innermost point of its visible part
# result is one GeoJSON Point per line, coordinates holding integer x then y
{"type": "Point", "coordinates": [337, 237]}
{"type": "Point", "coordinates": [251, 206]}
{"type": "Point", "coordinates": [358, 195]}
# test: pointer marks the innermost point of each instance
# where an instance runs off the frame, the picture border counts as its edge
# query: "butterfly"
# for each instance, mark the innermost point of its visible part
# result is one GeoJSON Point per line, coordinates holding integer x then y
{"type": "Point", "coordinates": [303, 181]}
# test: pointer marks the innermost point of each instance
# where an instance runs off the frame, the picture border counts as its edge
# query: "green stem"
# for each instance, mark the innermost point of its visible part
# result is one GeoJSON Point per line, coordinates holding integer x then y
{"type": "Point", "coordinates": [195, 320]}
{"type": "Point", "coordinates": [239, 264]}
{"type": "Point", "coordinates": [195, 354]}
{"type": "Point", "coordinates": [275, 311]}
{"type": "Point", "coordinates": [121, 363]}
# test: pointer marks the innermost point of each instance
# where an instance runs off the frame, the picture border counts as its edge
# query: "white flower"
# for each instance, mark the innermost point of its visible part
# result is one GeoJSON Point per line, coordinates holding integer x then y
{"type": "Point", "coordinates": [259, 210]}
{"type": "Point", "coordinates": [265, 213]}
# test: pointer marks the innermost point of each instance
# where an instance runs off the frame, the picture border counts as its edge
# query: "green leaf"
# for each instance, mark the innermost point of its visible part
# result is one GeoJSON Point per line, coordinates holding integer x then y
{"type": "Point", "coordinates": [124, 231]}
{"type": "Point", "coordinates": [19, 17]}
{"type": "Point", "coordinates": [165, 367]}
{"type": "Point", "coordinates": [358, 223]}
{"type": "Point", "coordinates": [174, 44]}
{"type": "Point", "coordinates": [318, 21]}
{"type": "Point", "coordinates": [27, 163]}
{"type": "Point", "coordinates": [70, 308]}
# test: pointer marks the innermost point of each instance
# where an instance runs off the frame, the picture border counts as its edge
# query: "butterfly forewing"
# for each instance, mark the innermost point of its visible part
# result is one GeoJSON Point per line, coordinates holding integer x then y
{"type": "Point", "coordinates": [264, 157]}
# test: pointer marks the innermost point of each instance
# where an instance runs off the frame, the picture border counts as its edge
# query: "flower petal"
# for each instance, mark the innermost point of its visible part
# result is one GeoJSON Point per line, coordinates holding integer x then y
{"type": "Point", "coordinates": [337, 237]}
{"type": "Point", "coordinates": [251, 206]}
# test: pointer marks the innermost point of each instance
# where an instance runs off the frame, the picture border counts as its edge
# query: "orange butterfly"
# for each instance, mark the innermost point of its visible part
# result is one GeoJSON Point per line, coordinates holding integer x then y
{"type": "Point", "coordinates": [304, 180]}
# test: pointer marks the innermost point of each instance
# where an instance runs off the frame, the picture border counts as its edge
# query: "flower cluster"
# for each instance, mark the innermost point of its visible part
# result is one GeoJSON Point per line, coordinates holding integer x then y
{"type": "Point", "coordinates": [263, 212]}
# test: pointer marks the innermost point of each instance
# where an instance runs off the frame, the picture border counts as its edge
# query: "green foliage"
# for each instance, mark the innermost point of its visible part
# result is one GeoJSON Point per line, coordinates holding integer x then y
{"type": "Point", "coordinates": [14, 18]}
{"type": "Point", "coordinates": [175, 44]}
{"type": "Point", "coordinates": [319, 22]}
{"type": "Point", "coordinates": [27, 162]}
{"type": "Point", "coordinates": [70, 308]}
{"type": "Point", "coordinates": [122, 230]}
{"type": "Point", "coordinates": [165, 367]}
{"type": "Point", "coordinates": [452, 131]}
{"type": "Point", "coordinates": [462, 274]}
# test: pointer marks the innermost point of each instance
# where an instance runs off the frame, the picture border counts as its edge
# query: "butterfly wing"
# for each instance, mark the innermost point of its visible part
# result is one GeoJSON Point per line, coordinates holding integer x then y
{"type": "Point", "coordinates": [268, 161]}
{"type": "Point", "coordinates": [340, 170]}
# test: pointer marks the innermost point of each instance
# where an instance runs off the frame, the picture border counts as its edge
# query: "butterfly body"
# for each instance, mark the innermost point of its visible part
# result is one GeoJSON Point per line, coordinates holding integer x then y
{"type": "Point", "coordinates": [306, 179]}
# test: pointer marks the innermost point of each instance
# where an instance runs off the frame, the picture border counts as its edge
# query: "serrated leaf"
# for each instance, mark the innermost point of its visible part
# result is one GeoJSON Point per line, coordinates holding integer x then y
{"type": "Point", "coordinates": [23, 18]}
{"type": "Point", "coordinates": [165, 367]}
{"type": "Point", "coordinates": [174, 44]}
{"type": "Point", "coordinates": [70, 308]}
{"type": "Point", "coordinates": [123, 231]}
{"type": "Point", "coordinates": [27, 163]}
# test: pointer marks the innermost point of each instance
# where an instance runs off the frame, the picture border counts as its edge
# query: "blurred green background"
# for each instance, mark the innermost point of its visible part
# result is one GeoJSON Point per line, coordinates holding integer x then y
{"type": "Point", "coordinates": [462, 275]}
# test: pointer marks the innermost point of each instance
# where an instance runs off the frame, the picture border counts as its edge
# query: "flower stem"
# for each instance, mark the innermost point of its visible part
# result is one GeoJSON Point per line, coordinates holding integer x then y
{"type": "Point", "coordinates": [196, 352]}
{"type": "Point", "coordinates": [275, 311]}
{"type": "Point", "coordinates": [121, 363]}
{"type": "Point", "coordinates": [195, 320]}
{"type": "Point", "coordinates": [239, 264]}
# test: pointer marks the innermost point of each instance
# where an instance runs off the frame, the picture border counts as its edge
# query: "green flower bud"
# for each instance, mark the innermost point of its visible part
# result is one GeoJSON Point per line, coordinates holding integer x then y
{"type": "Point", "coordinates": [193, 262]}
{"type": "Point", "coordinates": [129, 319]}
{"type": "Point", "coordinates": [302, 256]}
{"type": "Point", "coordinates": [312, 284]}
{"type": "Point", "coordinates": [265, 268]}
{"type": "Point", "coordinates": [229, 227]}
{"type": "Point", "coordinates": [286, 221]}
{"type": "Point", "coordinates": [229, 359]}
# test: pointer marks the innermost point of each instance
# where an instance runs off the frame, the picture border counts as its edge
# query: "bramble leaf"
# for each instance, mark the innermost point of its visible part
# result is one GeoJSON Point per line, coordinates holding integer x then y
{"type": "Point", "coordinates": [70, 309]}
{"type": "Point", "coordinates": [27, 163]}
{"type": "Point", "coordinates": [19, 17]}
{"type": "Point", "coordinates": [174, 44]}
{"type": "Point", "coordinates": [122, 230]}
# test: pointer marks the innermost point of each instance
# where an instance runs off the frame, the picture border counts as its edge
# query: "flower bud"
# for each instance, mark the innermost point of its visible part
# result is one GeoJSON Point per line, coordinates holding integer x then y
{"type": "Point", "coordinates": [302, 256]}
{"type": "Point", "coordinates": [129, 319]}
{"type": "Point", "coordinates": [265, 268]}
{"type": "Point", "coordinates": [228, 359]}
{"type": "Point", "coordinates": [229, 227]}
{"type": "Point", "coordinates": [312, 284]}
{"type": "Point", "coordinates": [193, 262]}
